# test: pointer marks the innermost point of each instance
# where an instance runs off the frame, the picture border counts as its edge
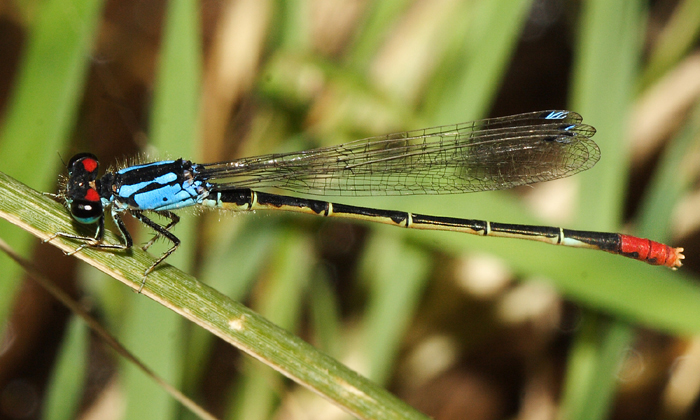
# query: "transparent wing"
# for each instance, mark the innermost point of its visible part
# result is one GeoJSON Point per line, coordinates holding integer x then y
{"type": "Point", "coordinates": [490, 154]}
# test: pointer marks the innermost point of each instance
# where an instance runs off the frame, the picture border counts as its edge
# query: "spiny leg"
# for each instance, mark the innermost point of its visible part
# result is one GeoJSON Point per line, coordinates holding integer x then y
{"type": "Point", "coordinates": [96, 241]}
{"type": "Point", "coordinates": [174, 219]}
{"type": "Point", "coordinates": [160, 231]}
{"type": "Point", "coordinates": [116, 216]}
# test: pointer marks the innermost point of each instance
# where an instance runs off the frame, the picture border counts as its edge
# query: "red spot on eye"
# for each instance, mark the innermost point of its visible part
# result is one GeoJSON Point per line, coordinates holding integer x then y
{"type": "Point", "coordinates": [89, 164]}
{"type": "Point", "coordinates": [92, 195]}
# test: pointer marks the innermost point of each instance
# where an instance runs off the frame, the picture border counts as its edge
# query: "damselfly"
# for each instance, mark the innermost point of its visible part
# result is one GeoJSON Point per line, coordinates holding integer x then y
{"type": "Point", "coordinates": [490, 154]}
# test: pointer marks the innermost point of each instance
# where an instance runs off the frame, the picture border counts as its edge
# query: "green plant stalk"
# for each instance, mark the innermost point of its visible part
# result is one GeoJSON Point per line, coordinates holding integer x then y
{"type": "Point", "coordinates": [38, 214]}
{"type": "Point", "coordinates": [592, 375]}
{"type": "Point", "coordinates": [173, 131]}
{"type": "Point", "coordinates": [673, 42]}
{"type": "Point", "coordinates": [64, 392]}
{"type": "Point", "coordinates": [68, 379]}
{"type": "Point", "coordinates": [45, 99]}
{"type": "Point", "coordinates": [604, 94]}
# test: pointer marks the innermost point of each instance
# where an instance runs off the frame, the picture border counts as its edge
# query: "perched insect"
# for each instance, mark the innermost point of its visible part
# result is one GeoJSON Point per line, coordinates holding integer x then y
{"type": "Point", "coordinates": [490, 154]}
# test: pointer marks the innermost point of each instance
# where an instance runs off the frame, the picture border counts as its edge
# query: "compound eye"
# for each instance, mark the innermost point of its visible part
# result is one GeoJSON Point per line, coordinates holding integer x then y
{"type": "Point", "coordinates": [83, 163]}
{"type": "Point", "coordinates": [87, 209]}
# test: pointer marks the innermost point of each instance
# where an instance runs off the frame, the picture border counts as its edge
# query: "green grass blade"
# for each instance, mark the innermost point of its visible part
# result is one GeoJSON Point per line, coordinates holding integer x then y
{"type": "Point", "coordinates": [68, 379]}
{"type": "Point", "coordinates": [397, 273]}
{"type": "Point", "coordinates": [593, 368]}
{"type": "Point", "coordinates": [241, 250]}
{"type": "Point", "coordinates": [674, 176]}
{"type": "Point", "coordinates": [282, 302]}
{"type": "Point", "coordinates": [674, 42]}
{"type": "Point", "coordinates": [603, 94]}
{"type": "Point", "coordinates": [175, 129]}
{"type": "Point", "coordinates": [231, 321]}
{"type": "Point", "coordinates": [477, 59]}
{"type": "Point", "coordinates": [326, 319]}
{"type": "Point", "coordinates": [44, 103]}
{"type": "Point", "coordinates": [656, 297]}
{"type": "Point", "coordinates": [380, 17]}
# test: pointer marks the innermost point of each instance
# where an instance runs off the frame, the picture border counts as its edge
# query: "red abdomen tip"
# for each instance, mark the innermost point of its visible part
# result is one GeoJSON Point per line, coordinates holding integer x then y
{"type": "Point", "coordinates": [654, 253]}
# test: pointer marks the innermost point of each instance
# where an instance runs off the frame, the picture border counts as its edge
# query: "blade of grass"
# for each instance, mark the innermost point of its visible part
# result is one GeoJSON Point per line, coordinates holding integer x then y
{"type": "Point", "coordinates": [68, 377]}
{"type": "Point", "coordinates": [476, 60]}
{"type": "Point", "coordinates": [675, 40]}
{"type": "Point", "coordinates": [397, 273]}
{"type": "Point", "coordinates": [294, 20]}
{"type": "Point", "coordinates": [175, 127]}
{"type": "Point", "coordinates": [656, 297]}
{"type": "Point", "coordinates": [244, 252]}
{"type": "Point", "coordinates": [44, 103]}
{"type": "Point", "coordinates": [65, 389]}
{"type": "Point", "coordinates": [325, 313]}
{"type": "Point", "coordinates": [592, 369]}
{"type": "Point", "coordinates": [282, 302]}
{"type": "Point", "coordinates": [233, 322]}
{"type": "Point", "coordinates": [380, 17]}
{"type": "Point", "coordinates": [673, 177]}
{"type": "Point", "coordinates": [603, 93]}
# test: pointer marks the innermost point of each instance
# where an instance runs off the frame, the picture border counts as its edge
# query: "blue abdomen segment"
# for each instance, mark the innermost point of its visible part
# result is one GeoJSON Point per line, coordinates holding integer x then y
{"type": "Point", "coordinates": [159, 186]}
